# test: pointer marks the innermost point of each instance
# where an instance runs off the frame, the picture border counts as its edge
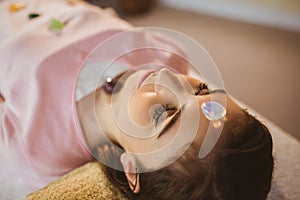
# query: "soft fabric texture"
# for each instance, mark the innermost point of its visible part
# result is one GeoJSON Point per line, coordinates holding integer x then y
{"type": "Point", "coordinates": [86, 183]}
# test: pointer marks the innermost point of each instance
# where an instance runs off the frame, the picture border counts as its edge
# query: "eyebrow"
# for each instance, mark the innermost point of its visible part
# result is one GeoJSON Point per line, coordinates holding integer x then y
{"type": "Point", "coordinates": [218, 91]}
{"type": "Point", "coordinates": [171, 123]}
{"type": "Point", "coordinates": [215, 92]}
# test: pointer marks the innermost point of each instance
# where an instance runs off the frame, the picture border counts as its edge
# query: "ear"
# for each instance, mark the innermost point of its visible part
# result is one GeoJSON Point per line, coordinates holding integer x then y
{"type": "Point", "coordinates": [130, 169]}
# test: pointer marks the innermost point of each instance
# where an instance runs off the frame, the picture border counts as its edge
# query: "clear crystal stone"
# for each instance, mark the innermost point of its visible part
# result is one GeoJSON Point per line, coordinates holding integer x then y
{"type": "Point", "coordinates": [213, 110]}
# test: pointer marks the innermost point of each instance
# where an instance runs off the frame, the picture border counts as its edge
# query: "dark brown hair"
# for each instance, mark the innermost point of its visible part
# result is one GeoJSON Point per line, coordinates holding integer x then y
{"type": "Point", "coordinates": [239, 167]}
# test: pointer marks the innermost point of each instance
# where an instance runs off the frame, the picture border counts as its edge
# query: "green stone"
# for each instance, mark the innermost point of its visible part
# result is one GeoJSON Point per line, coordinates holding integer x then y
{"type": "Point", "coordinates": [55, 24]}
{"type": "Point", "coordinates": [33, 15]}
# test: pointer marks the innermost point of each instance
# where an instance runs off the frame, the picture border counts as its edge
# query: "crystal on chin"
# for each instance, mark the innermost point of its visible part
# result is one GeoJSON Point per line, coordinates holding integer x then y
{"type": "Point", "coordinates": [213, 110]}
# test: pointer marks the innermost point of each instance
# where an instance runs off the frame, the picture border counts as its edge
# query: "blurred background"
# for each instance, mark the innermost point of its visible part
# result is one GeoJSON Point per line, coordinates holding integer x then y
{"type": "Point", "coordinates": [255, 44]}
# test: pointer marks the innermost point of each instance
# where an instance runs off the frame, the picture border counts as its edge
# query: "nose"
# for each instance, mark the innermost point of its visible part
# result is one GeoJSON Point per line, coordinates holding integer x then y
{"type": "Point", "coordinates": [166, 75]}
{"type": "Point", "coordinates": [171, 80]}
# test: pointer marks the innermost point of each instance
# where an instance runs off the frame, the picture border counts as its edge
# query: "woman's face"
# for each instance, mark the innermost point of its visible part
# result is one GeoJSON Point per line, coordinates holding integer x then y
{"type": "Point", "coordinates": [158, 111]}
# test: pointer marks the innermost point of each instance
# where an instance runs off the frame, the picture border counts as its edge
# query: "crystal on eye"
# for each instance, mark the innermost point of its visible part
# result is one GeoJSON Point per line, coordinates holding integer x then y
{"type": "Point", "coordinates": [213, 110]}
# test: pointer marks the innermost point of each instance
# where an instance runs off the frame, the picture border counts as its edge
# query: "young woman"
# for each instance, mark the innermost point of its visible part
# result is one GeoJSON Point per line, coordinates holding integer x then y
{"type": "Point", "coordinates": [45, 131]}
{"type": "Point", "coordinates": [238, 167]}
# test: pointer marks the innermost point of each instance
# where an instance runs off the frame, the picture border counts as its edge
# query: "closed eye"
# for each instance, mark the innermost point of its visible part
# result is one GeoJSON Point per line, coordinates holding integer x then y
{"type": "Point", "coordinates": [161, 111]}
{"type": "Point", "coordinates": [172, 121]}
{"type": "Point", "coordinates": [202, 89]}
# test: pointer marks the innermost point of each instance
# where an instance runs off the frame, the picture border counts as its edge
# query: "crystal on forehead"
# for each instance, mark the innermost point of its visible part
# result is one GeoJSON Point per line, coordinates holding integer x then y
{"type": "Point", "coordinates": [213, 110]}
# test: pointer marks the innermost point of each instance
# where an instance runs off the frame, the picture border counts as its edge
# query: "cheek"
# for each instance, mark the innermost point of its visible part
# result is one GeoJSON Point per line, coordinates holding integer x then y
{"type": "Point", "coordinates": [143, 102]}
{"type": "Point", "coordinates": [139, 107]}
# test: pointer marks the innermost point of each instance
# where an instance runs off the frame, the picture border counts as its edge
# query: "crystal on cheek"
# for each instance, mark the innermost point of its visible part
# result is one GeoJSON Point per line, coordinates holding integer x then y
{"type": "Point", "coordinates": [213, 110]}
